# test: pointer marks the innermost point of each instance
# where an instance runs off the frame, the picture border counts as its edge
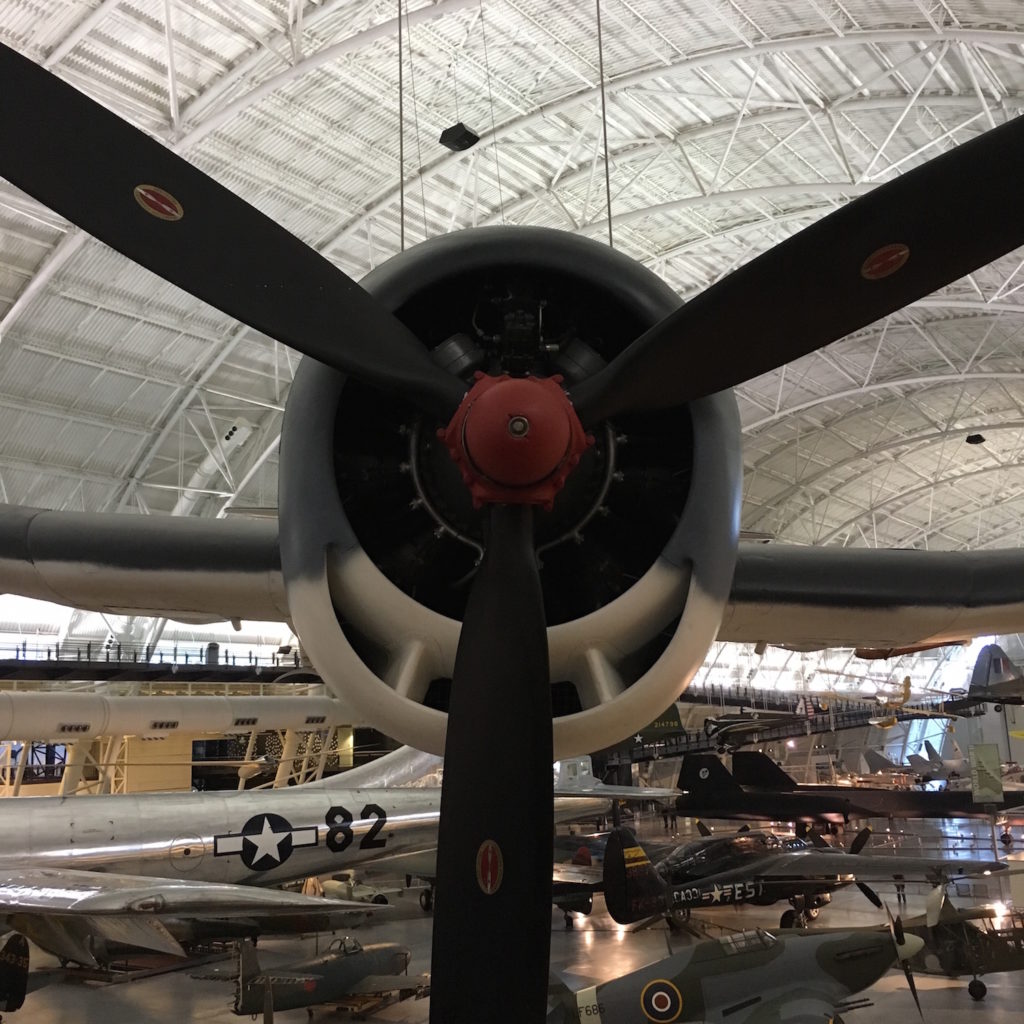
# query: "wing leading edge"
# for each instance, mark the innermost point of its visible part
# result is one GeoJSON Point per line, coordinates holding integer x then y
{"type": "Point", "coordinates": [197, 570]}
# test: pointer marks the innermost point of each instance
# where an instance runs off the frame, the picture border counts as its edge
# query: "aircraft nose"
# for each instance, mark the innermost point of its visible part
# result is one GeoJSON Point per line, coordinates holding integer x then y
{"type": "Point", "coordinates": [911, 946]}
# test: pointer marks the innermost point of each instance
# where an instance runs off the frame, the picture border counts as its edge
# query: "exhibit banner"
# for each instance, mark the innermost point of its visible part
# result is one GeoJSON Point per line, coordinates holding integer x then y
{"type": "Point", "coordinates": [986, 773]}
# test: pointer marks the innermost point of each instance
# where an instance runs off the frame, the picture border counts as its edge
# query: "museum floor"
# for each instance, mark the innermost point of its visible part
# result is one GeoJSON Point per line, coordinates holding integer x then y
{"type": "Point", "coordinates": [595, 948]}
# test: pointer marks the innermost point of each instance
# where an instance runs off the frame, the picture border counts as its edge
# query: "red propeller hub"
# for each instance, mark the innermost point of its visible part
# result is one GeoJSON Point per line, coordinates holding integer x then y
{"type": "Point", "coordinates": [516, 439]}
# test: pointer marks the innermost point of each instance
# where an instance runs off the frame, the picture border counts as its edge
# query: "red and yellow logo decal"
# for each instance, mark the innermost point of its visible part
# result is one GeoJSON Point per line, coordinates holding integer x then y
{"type": "Point", "coordinates": [661, 1001]}
{"type": "Point", "coordinates": [490, 866]}
{"type": "Point", "coordinates": [158, 202]}
{"type": "Point", "coordinates": [885, 261]}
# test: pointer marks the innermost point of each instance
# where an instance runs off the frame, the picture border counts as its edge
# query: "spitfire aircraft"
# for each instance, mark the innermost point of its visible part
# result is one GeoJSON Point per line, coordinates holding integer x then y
{"type": "Point", "coordinates": [759, 868]}
{"type": "Point", "coordinates": [753, 976]}
{"type": "Point", "coordinates": [583, 412]}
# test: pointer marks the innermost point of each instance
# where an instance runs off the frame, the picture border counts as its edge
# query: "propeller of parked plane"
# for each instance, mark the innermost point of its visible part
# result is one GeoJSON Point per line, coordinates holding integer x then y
{"type": "Point", "coordinates": [516, 439]}
{"type": "Point", "coordinates": [899, 941]}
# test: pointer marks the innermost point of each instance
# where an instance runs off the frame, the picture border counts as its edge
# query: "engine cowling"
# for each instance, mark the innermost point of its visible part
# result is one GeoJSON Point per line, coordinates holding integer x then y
{"type": "Point", "coordinates": [380, 537]}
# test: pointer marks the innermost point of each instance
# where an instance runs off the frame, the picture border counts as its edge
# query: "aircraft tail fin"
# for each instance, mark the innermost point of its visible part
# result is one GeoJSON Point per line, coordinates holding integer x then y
{"type": "Point", "coordinates": [575, 773]}
{"type": "Point", "coordinates": [704, 773]}
{"type": "Point", "coordinates": [933, 754]}
{"type": "Point", "coordinates": [13, 972]}
{"type": "Point", "coordinates": [752, 768]}
{"type": "Point", "coordinates": [992, 666]}
{"type": "Point", "coordinates": [877, 762]}
{"type": "Point", "coordinates": [633, 890]}
{"type": "Point", "coordinates": [919, 764]}
{"type": "Point", "coordinates": [249, 972]}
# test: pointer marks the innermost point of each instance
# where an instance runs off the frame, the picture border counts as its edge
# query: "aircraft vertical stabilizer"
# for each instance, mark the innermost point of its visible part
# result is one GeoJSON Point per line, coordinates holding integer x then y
{"type": "Point", "coordinates": [248, 970]}
{"type": "Point", "coordinates": [704, 773]}
{"type": "Point", "coordinates": [752, 768]}
{"type": "Point", "coordinates": [877, 762]}
{"type": "Point", "coordinates": [992, 666]}
{"type": "Point", "coordinates": [633, 890]}
{"type": "Point", "coordinates": [13, 972]}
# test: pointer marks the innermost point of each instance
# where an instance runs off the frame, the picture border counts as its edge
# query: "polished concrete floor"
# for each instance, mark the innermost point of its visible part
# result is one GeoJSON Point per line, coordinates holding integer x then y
{"type": "Point", "coordinates": [594, 949]}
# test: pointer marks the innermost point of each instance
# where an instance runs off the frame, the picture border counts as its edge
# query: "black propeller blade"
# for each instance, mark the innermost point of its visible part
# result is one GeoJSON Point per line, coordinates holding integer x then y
{"type": "Point", "coordinates": [898, 243]}
{"type": "Point", "coordinates": [899, 941]}
{"type": "Point", "coordinates": [860, 841]}
{"type": "Point", "coordinates": [912, 985]}
{"type": "Point", "coordinates": [870, 893]}
{"type": "Point", "coordinates": [138, 197]}
{"type": "Point", "coordinates": [492, 923]}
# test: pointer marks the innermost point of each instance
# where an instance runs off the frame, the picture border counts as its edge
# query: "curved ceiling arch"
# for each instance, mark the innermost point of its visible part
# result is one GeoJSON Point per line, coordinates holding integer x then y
{"type": "Point", "coordinates": [726, 55]}
{"type": "Point", "coordinates": [914, 445]}
{"type": "Point", "coordinates": [908, 497]}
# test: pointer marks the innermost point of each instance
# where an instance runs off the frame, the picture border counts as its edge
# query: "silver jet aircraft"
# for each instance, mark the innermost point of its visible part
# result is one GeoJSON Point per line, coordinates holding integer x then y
{"type": "Point", "coordinates": [82, 875]}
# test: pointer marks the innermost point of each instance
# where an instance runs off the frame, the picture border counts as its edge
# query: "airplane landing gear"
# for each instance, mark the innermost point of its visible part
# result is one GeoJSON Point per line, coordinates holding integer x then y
{"type": "Point", "coordinates": [977, 989]}
{"type": "Point", "coordinates": [568, 920]}
{"type": "Point", "coordinates": [427, 899]}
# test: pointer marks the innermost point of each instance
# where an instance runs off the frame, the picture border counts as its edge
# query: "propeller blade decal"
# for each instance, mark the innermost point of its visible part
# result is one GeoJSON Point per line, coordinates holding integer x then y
{"type": "Point", "coordinates": [495, 841]}
{"type": "Point", "coordinates": [138, 197]}
{"type": "Point", "coordinates": [898, 243]}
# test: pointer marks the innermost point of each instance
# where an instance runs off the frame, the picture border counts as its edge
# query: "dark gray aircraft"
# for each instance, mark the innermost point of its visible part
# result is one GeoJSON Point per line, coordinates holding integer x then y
{"type": "Point", "coordinates": [13, 973]}
{"type": "Point", "coordinates": [467, 405]}
{"type": "Point", "coordinates": [734, 730]}
{"type": "Point", "coordinates": [759, 868]}
{"type": "Point", "coordinates": [766, 788]}
{"type": "Point", "coordinates": [347, 968]}
{"type": "Point", "coordinates": [968, 942]}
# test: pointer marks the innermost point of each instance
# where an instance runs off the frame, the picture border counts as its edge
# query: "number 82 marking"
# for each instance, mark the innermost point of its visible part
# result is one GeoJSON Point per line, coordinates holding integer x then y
{"type": "Point", "coordinates": [339, 830]}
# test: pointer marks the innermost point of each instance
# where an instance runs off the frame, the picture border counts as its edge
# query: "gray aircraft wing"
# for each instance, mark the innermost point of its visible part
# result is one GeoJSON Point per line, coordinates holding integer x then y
{"type": "Point", "coordinates": [197, 570]}
{"type": "Point", "coordinates": [131, 909]}
{"type": "Point", "coordinates": [372, 983]}
{"type": "Point", "coordinates": [182, 567]}
{"type": "Point", "coordinates": [813, 863]}
{"type": "Point", "coordinates": [836, 597]}
{"type": "Point", "coordinates": [564, 873]}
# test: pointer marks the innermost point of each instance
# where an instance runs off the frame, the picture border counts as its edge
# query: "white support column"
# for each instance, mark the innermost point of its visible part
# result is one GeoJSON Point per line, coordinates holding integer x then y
{"type": "Point", "coordinates": [249, 748]}
{"type": "Point", "coordinates": [74, 763]}
{"type": "Point", "coordinates": [19, 775]}
{"type": "Point", "coordinates": [289, 749]}
{"type": "Point", "coordinates": [7, 770]}
{"type": "Point", "coordinates": [325, 749]}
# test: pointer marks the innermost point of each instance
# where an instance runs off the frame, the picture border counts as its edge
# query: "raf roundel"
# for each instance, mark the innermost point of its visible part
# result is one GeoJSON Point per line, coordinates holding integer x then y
{"type": "Point", "coordinates": [661, 1001]}
{"type": "Point", "coordinates": [490, 866]}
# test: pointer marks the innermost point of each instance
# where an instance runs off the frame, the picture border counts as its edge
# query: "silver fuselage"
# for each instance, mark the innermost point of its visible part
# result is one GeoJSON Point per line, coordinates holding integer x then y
{"type": "Point", "coordinates": [264, 837]}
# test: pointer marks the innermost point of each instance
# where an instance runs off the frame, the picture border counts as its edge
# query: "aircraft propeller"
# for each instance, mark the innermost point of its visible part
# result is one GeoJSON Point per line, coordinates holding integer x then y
{"type": "Point", "coordinates": [903, 954]}
{"type": "Point", "coordinates": [859, 842]}
{"type": "Point", "coordinates": [898, 243]}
